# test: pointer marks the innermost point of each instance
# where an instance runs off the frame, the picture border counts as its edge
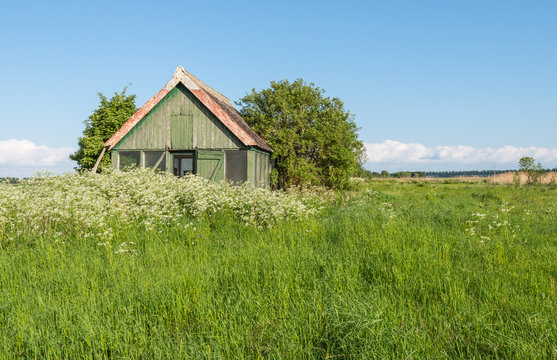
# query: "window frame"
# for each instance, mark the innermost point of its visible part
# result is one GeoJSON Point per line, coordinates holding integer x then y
{"type": "Point", "coordinates": [179, 157]}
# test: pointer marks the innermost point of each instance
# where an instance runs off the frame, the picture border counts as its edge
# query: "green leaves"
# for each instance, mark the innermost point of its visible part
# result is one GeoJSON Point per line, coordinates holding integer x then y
{"type": "Point", "coordinates": [314, 138]}
{"type": "Point", "coordinates": [534, 172]}
{"type": "Point", "coordinates": [99, 127]}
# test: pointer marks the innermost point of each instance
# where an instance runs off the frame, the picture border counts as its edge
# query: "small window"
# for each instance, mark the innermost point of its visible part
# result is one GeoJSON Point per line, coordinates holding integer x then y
{"type": "Point", "coordinates": [129, 159]}
{"type": "Point", "coordinates": [155, 160]}
{"type": "Point", "coordinates": [183, 165]}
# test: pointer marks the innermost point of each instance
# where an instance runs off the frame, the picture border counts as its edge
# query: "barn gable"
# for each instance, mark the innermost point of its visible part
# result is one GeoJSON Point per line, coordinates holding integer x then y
{"type": "Point", "coordinates": [179, 121]}
{"type": "Point", "coordinates": [212, 101]}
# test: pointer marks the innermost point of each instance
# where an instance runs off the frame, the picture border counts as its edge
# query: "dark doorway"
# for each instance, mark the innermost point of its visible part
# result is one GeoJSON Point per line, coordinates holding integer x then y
{"type": "Point", "coordinates": [236, 168]}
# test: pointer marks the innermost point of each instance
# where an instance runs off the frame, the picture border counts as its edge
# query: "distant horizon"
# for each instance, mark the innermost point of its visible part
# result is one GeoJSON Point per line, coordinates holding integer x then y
{"type": "Point", "coordinates": [48, 172]}
{"type": "Point", "coordinates": [23, 158]}
{"type": "Point", "coordinates": [34, 171]}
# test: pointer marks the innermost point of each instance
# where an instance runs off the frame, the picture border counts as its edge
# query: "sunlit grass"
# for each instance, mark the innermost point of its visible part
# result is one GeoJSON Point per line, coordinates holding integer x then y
{"type": "Point", "coordinates": [400, 270]}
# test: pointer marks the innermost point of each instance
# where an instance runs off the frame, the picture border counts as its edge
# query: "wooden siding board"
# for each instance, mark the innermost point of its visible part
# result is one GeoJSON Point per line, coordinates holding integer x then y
{"type": "Point", "coordinates": [262, 161]}
{"type": "Point", "coordinates": [251, 167]}
{"type": "Point", "coordinates": [269, 170]}
{"type": "Point", "coordinates": [114, 159]}
{"type": "Point", "coordinates": [165, 128]}
{"type": "Point", "coordinates": [257, 170]}
{"type": "Point", "coordinates": [189, 131]}
{"type": "Point", "coordinates": [200, 129]}
{"type": "Point", "coordinates": [260, 170]}
{"type": "Point", "coordinates": [169, 162]}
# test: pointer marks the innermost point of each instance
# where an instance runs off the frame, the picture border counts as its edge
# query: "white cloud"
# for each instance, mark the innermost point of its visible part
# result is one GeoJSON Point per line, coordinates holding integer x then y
{"type": "Point", "coordinates": [395, 153]}
{"type": "Point", "coordinates": [24, 156]}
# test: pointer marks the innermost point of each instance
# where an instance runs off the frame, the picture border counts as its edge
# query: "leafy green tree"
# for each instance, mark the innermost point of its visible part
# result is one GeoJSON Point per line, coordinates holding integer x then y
{"type": "Point", "coordinates": [533, 170]}
{"type": "Point", "coordinates": [526, 163]}
{"type": "Point", "coordinates": [314, 138]}
{"type": "Point", "coordinates": [99, 127]}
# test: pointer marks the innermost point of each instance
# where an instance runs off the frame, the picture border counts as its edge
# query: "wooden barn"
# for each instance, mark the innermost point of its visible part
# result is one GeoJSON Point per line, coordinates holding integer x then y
{"type": "Point", "coordinates": [188, 127]}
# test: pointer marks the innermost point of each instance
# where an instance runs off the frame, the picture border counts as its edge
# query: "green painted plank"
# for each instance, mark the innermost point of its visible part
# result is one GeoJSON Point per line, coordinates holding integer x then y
{"type": "Point", "coordinates": [181, 129]}
{"type": "Point", "coordinates": [251, 167]}
{"type": "Point", "coordinates": [169, 162]}
{"type": "Point", "coordinates": [114, 159]}
{"type": "Point", "coordinates": [210, 164]}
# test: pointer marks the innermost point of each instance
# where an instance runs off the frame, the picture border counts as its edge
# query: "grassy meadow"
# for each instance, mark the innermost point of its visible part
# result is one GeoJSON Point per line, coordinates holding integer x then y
{"type": "Point", "coordinates": [153, 267]}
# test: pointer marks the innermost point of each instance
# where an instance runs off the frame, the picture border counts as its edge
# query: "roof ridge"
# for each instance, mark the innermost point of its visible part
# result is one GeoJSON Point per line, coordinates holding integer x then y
{"type": "Point", "coordinates": [205, 87]}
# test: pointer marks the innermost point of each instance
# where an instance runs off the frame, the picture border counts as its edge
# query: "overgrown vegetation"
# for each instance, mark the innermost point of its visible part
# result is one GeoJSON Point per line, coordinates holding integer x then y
{"type": "Point", "coordinates": [100, 126]}
{"type": "Point", "coordinates": [314, 137]}
{"type": "Point", "coordinates": [394, 270]}
{"type": "Point", "coordinates": [534, 171]}
{"type": "Point", "coordinates": [10, 180]}
{"type": "Point", "coordinates": [89, 205]}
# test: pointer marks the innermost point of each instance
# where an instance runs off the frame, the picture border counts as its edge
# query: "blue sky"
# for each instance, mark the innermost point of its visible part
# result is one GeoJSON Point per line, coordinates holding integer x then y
{"type": "Point", "coordinates": [434, 85]}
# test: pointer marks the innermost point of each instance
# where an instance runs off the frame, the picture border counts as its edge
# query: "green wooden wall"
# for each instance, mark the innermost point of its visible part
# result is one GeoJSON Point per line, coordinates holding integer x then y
{"type": "Point", "coordinates": [179, 122]}
{"type": "Point", "coordinates": [259, 168]}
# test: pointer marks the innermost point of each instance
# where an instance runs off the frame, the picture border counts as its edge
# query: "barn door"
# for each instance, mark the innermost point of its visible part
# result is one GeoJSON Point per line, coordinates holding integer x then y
{"type": "Point", "coordinates": [181, 132]}
{"type": "Point", "coordinates": [210, 164]}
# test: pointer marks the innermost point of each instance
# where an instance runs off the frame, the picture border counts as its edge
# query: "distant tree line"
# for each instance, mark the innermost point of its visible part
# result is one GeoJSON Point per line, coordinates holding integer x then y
{"type": "Point", "coordinates": [364, 173]}
{"type": "Point", "coordinates": [485, 173]}
{"type": "Point", "coordinates": [367, 174]}
{"type": "Point", "coordinates": [10, 180]}
{"type": "Point", "coordinates": [401, 174]}
{"type": "Point", "coordinates": [448, 174]}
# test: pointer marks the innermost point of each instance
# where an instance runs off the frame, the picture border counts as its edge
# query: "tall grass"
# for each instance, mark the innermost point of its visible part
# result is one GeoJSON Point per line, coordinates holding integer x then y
{"type": "Point", "coordinates": [394, 271]}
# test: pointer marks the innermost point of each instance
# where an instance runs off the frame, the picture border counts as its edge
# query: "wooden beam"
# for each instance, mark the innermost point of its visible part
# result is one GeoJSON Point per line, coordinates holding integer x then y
{"type": "Point", "coordinates": [94, 170]}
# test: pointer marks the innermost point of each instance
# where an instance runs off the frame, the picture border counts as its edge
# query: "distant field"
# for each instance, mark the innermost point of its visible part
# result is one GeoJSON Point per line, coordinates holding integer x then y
{"type": "Point", "coordinates": [550, 178]}
{"type": "Point", "coordinates": [394, 270]}
{"type": "Point", "coordinates": [507, 178]}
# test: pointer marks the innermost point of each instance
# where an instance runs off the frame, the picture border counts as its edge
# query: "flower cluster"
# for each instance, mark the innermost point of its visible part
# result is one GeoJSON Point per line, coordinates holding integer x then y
{"type": "Point", "coordinates": [388, 209]}
{"type": "Point", "coordinates": [484, 224]}
{"type": "Point", "coordinates": [90, 205]}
